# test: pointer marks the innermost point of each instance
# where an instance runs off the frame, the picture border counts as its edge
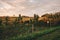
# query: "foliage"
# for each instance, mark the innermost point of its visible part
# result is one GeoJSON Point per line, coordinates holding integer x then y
{"type": "Point", "coordinates": [18, 27]}
{"type": "Point", "coordinates": [34, 35]}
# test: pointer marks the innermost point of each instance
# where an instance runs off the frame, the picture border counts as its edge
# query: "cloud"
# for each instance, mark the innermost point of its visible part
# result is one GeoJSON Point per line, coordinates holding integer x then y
{"type": "Point", "coordinates": [26, 7]}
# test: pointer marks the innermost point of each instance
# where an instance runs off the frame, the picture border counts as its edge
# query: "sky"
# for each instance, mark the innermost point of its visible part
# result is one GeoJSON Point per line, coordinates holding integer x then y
{"type": "Point", "coordinates": [28, 7]}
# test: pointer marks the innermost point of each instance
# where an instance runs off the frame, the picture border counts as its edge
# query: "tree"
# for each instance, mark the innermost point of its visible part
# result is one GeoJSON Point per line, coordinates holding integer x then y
{"type": "Point", "coordinates": [36, 17]}
{"type": "Point", "coordinates": [0, 21]}
{"type": "Point", "coordinates": [19, 19]}
{"type": "Point", "coordinates": [15, 22]}
{"type": "Point", "coordinates": [57, 18]}
{"type": "Point", "coordinates": [32, 25]}
{"type": "Point", "coordinates": [6, 20]}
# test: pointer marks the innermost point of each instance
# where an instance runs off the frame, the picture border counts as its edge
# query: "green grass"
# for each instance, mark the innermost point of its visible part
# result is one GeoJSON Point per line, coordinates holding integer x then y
{"type": "Point", "coordinates": [34, 34]}
{"type": "Point", "coordinates": [51, 36]}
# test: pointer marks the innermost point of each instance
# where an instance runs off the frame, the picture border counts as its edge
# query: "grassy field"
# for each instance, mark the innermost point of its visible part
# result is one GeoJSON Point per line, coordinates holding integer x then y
{"type": "Point", "coordinates": [51, 36]}
{"type": "Point", "coordinates": [47, 34]}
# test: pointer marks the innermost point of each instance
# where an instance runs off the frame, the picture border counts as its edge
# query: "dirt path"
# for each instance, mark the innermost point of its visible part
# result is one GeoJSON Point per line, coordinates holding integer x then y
{"type": "Point", "coordinates": [52, 36]}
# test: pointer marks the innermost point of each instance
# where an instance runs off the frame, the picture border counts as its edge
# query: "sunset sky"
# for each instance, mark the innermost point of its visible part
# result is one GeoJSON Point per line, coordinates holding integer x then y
{"type": "Point", "coordinates": [28, 7]}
